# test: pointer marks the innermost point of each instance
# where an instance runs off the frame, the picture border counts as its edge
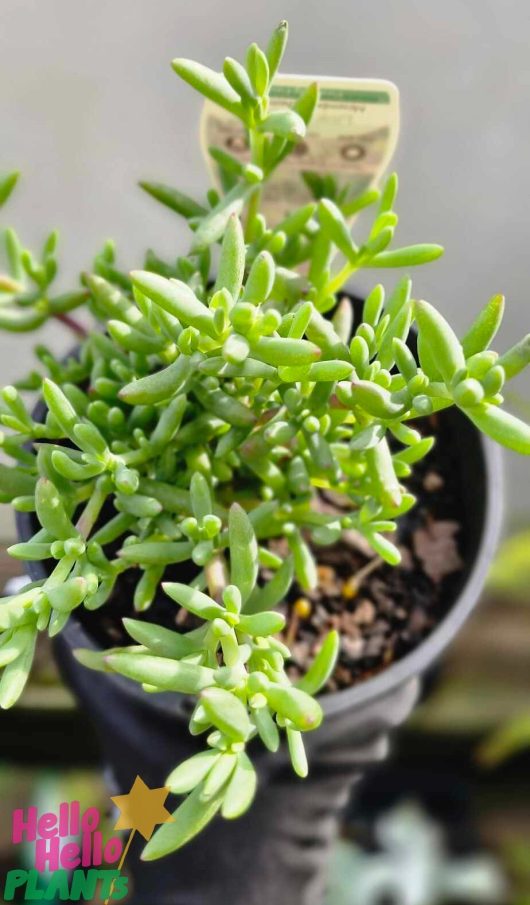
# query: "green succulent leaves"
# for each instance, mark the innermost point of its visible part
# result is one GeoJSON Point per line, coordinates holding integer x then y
{"type": "Point", "coordinates": [440, 338]}
{"type": "Point", "coordinates": [211, 404]}
{"type": "Point", "coordinates": [243, 552]}
{"type": "Point", "coordinates": [7, 184]}
{"type": "Point", "coordinates": [234, 664]}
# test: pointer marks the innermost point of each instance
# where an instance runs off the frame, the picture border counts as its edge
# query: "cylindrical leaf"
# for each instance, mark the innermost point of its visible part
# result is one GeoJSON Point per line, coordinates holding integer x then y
{"type": "Point", "coordinates": [506, 429]}
{"type": "Point", "coordinates": [209, 83]}
{"type": "Point", "coordinates": [483, 330]}
{"type": "Point", "coordinates": [193, 600]}
{"type": "Point", "coordinates": [243, 551]}
{"type": "Point", "coordinates": [241, 789]}
{"type": "Point", "coordinates": [441, 340]}
{"type": "Point", "coordinates": [168, 675]}
{"type": "Point", "coordinates": [191, 772]}
{"type": "Point", "coordinates": [295, 705]}
{"type": "Point", "coordinates": [322, 666]}
{"type": "Point", "coordinates": [232, 259]}
{"type": "Point", "coordinates": [227, 713]}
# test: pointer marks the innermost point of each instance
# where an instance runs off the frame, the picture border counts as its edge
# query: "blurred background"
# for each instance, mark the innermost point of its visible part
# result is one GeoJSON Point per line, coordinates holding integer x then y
{"type": "Point", "coordinates": [88, 106]}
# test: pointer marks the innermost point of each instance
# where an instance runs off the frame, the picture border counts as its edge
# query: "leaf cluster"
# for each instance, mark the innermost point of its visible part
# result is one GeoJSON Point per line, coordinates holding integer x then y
{"type": "Point", "coordinates": [215, 400]}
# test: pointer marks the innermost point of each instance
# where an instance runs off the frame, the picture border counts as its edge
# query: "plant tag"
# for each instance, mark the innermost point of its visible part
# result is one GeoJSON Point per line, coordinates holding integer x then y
{"type": "Point", "coordinates": [352, 137]}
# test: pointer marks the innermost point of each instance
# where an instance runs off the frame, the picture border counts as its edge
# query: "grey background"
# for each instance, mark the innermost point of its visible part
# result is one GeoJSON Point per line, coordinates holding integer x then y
{"type": "Point", "coordinates": [88, 104]}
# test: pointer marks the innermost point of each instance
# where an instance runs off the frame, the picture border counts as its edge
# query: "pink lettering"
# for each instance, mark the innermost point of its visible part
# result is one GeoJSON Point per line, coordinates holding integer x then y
{"type": "Point", "coordinates": [47, 854]}
{"type": "Point", "coordinates": [47, 825]}
{"type": "Point", "coordinates": [113, 850]}
{"type": "Point", "coordinates": [70, 856]}
{"type": "Point", "coordinates": [27, 826]}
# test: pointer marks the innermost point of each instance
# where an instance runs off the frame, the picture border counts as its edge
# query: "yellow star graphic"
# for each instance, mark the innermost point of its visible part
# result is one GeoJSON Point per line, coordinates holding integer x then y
{"type": "Point", "coordinates": [142, 809]}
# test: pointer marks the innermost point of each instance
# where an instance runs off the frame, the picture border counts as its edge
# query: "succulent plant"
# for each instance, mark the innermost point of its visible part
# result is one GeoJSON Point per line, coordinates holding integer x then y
{"type": "Point", "coordinates": [202, 416]}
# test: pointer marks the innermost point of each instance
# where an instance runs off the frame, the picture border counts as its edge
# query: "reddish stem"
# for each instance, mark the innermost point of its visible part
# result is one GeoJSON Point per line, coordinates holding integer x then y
{"type": "Point", "coordinates": [72, 325]}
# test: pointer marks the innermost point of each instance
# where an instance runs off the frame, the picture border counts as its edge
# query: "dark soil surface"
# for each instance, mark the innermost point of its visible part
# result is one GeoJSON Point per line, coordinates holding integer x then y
{"type": "Point", "coordinates": [382, 612]}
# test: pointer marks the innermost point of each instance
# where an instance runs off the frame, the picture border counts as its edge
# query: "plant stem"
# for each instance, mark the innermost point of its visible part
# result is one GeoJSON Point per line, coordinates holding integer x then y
{"type": "Point", "coordinates": [257, 146]}
{"type": "Point", "coordinates": [366, 570]}
{"type": "Point", "coordinates": [72, 325]}
{"type": "Point", "coordinates": [216, 574]}
{"type": "Point", "coordinates": [89, 516]}
{"type": "Point", "coordinates": [61, 571]}
{"type": "Point", "coordinates": [340, 278]}
{"type": "Point", "coordinates": [252, 211]}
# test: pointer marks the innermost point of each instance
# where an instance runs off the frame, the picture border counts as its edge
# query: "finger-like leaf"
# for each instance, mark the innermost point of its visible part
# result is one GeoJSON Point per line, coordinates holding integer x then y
{"type": "Point", "coordinates": [410, 256]}
{"type": "Point", "coordinates": [258, 69]}
{"type": "Point", "coordinates": [384, 547]}
{"type": "Point", "coordinates": [31, 550]}
{"type": "Point", "coordinates": [227, 712]}
{"type": "Point", "coordinates": [241, 789]}
{"type": "Point", "coordinates": [219, 775]}
{"type": "Point", "coordinates": [484, 328]}
{"type": "Point", "coordinates": [322, 666]}
{"type": "Point", "coordinates": [284, 123]}
{"type": "Point", "coordinates": [295, 705]}
{"type": "Point", "coordinates": [174, 199]}
{"type": "Point", "coordinates": [200, 496]}
{"type": "Point", "coordinates": [51, 512]}
{"type": "Point", "coordinates": [65, 597]}
{"type": "Point", "coordinates": [211, 84]}
{"type": "Point", "coordinates": [12, 645]}
{"type": "Point", "coordinates": [60, 407]}
{"type": "Point", "coordinates": [330, 370]}
{"type": "Point", "coordinates": [517, 358]}
{"type": "Point", "coordinates": [335, 226]}
{"type": "Point", "coordinates": [213, 225]}
{"type": "Point", "coordinates": [72, 470]}
{"type": "Point", "coordinates": [168, 675]}
{"type": "Point", "coordinates": [152, 553]}
{"type": "Point", "coordinates": [7, 184]}
{"type": "Point", "coordinates": [304, 563]}
{"type": "Point", "coordinates": [193, 600]}
{"type": "Point", "coordinates": [501, 426]}
{"type": "Point", "coordinates": [276, 48]}
{"type": "Point", "coordinates": [138, 505]}
{"type": "Point", "coordinates": [274, 591]}
{"type": "Point", "coordinates": [374, 399]}
{"type": "Point", "coordinates": [161, 641]}
{"type": "Point", "coordinates": [191, 772]}
{"type": "Point", "coordinates": [243, 552]}
{"type": "Point", "coordinates": [262, 624]}
{"type": "Point", "coordinates": [289, 352]}
{"type": "Point", "coordinates": [379, 459]}
{"type": "Point", "coordinates": [15, 482]}
{"type": "Point", "coordinates": [441, 340]}
{"type": "Point", "coordinates": [237, 76]}
{"type": "Point", "coordinates": [158, 386]}
{"type": "Point", "coordinates": [297, 752]}
{"type": "Point", "coordinates": [16, 673]}
{"type": "Point", "coordinates": [232, 259]}
{"type": "Point", "coordinates": [21, 320]}
{"type": "Point", "coordinates": [260, 279]}
{"type": "Point", "coordinates": [189, 819]}
{"type": "Point", "coordinates": [176, 298]}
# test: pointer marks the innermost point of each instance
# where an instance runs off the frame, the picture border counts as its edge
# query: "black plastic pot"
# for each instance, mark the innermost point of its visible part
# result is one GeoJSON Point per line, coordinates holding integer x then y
{"type": "Point", "coordinates": [277, 854]}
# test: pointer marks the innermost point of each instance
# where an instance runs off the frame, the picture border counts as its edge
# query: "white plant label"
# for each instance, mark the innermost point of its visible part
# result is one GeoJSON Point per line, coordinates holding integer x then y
{"type": "Point", "coordinates": [352, 137]}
